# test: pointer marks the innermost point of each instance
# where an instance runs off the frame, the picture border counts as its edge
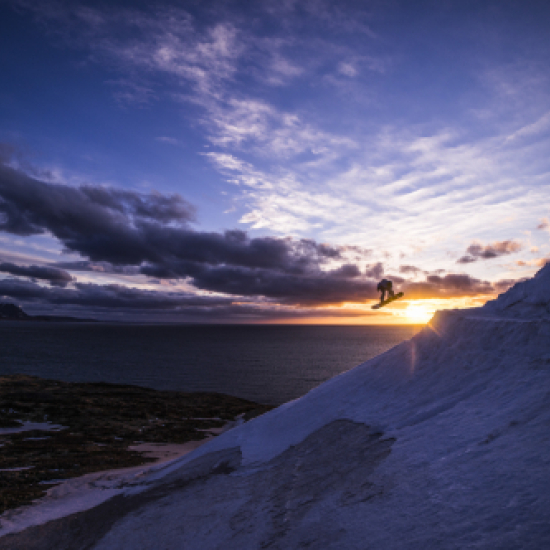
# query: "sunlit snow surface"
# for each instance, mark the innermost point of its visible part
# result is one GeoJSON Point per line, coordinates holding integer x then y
{"type": "Point", "coordinates": [442, 442]}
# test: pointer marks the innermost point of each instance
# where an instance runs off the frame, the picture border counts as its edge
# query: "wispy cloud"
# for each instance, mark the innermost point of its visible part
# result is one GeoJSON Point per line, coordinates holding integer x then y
{"type": "Point", "coordinates": [267, 131]}
{"type": "Point", "coordinates": [204, 64]}
{"type": "Point", "coordinates": [406, 188]}
{"type": "Point", "coordinates": [347, 69]}
{"type": "Point", "coordinates": [537, 128]}
{"type": "Point", "coordinates": [169, 140]}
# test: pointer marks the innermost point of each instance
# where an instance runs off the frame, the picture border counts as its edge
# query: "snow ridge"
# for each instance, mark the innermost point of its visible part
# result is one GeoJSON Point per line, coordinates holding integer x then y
{"type": "Point", "coordinates": [527, 299]}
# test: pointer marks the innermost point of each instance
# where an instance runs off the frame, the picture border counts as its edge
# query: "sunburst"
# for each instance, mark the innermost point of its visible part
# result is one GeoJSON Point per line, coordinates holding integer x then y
{"type": "Point", "coordinates": [418, 313]}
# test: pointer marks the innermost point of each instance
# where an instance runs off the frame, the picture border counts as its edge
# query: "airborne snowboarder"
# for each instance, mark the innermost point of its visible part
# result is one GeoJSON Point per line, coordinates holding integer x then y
{"type": "Point", "coordinates": [384, 286]}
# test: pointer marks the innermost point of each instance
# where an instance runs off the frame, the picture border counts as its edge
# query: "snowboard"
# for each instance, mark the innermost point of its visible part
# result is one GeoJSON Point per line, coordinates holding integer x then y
{"type": "Point", "coordinates": [386, 302]}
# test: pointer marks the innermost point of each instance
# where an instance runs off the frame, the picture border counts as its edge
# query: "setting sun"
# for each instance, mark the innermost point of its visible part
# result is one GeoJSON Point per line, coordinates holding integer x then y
{"type": "Point", "coordinates": [418, 313]}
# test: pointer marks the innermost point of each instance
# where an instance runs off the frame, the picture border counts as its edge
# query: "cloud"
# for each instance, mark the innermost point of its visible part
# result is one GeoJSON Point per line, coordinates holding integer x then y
{"type": "Point", "coordinates": [420, 186]}
{"type": "Point", "coordinates": [95, 221]}
{"type": "Point", "coordinates": [450, 286]}
{"type": "Point", "coordinates": [537, 262]}
{"type": "Point", "coordinates": [375, 271]}
{"type": "Point", "coordinates": [544, 224]}
{"type": "Point", "coordinates": [466, 260]}
{"type": "Point", "coordinates": [169, 140]}
{"type": "Point", "coordinates": [347, 69]}
{"type": "Point", "coordinates": [132, 92]}
{"type": "Point", "coordinates": [407, 269]}
{"type": "Point", "coordinates": [127, 227]}
{"type": "Point", "coordinates": [99, 267]}
{"type": "Point", "coordinates": [281, 70]}
{"type": "Point", "coordinates": [257, 126]}
{"type": "Point", "coordinates": [539, 126]}
{"type": "Point", "coordinates": [315, 289]}
{"type": "Point", "coordinates": [105, 296]}
{"type": "Point", "coordinates": [477, 251]}
{"type": "Point", "coordinates": [346, 270]}
{"type": "Point", "coordinates": [199, 64]}
{"type": "Point", "coordinates": [291, 296]}
{"type": "Point", "coordinates": [160, 39]}
{"type": "Point", "coordinates": [29, 206]}
{"type": "Point", "coordinates": [418, 179]}
{"type": "Point", "coordinates": [130, 233]}
{"type": "Point", "coordinates": [55, 276]}
{"type": "Point", "coordinates": [278, 201]}
{"type": "Point", "coordinates": [120, 302]}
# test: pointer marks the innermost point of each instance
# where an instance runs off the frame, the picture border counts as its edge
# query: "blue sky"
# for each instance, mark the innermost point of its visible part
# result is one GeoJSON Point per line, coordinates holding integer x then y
{"type": "Point", "coordinates": [410, 137]}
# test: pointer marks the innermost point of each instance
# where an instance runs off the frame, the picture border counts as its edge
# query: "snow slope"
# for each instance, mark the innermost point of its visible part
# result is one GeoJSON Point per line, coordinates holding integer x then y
{"type": "Point", "coordinates": [442, 442]}
{"type": "Point", "coordinates": [526, 300]}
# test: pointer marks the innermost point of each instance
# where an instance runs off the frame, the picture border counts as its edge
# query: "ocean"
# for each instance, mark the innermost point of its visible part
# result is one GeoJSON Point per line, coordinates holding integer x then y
{"type": "Point", "coordinates": [269, 364]}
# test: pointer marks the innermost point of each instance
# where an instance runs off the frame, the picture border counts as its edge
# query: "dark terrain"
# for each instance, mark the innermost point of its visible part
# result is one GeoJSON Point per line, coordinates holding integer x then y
{"type": "Point", "coordinates": [100, 421]}
{"type": "Point", "coordinates": [11, 312]}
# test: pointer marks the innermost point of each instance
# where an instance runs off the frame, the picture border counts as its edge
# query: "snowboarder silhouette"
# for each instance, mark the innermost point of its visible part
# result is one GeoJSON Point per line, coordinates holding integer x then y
{"type": "Point", "coordinates": [385, 286]}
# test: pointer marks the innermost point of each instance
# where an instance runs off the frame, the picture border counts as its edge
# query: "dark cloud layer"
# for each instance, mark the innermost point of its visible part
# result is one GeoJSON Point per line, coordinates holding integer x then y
{"type": "Point", "coordinates": [120, 302]}
{"type": "Point", "coordinates": [56, 277]}
{"type": "Point", "coordinates": [101, 223]}
{"type": "Point", "coordinates": [321, 288]}
{"type": "Point", "coordinates": [106, 296]}
{"type": "Point", "coordinates": [477, 251]}
{"type": "Point", "coordinates": [317, 287]}
{"type": "Point", "coordinates": [131, 233]}
{"type": "Point", "coordinates": [130, 228]}
{"type": "Point", "coordinates": [449, 286]}
{"type": "Point", "coordinates": [110, 301]}
{"type": "Point", "coordinates": [128, 232]}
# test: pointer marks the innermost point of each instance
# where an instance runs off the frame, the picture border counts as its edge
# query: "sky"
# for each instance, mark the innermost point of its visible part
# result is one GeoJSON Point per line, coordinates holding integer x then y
{"type": "Point", "coordinates": [270, 162]}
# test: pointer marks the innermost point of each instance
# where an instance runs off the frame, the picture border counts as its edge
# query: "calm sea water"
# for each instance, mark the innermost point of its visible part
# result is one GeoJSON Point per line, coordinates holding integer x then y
{"type": "Point", "coordinates": [267, 364]}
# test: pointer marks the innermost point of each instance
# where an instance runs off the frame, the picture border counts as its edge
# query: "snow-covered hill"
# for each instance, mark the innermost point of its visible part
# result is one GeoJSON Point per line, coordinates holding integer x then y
{"type": "Point", "coordinates": [442, 442]}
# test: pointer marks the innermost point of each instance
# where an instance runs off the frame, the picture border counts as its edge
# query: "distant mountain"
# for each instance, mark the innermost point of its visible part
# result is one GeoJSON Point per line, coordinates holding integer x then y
{"type": "Point", "coordinates": [11, 312]}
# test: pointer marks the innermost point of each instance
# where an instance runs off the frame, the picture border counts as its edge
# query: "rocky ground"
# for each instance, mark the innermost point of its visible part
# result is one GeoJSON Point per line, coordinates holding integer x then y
{"type": "Point", "coordinates": [100, 421]}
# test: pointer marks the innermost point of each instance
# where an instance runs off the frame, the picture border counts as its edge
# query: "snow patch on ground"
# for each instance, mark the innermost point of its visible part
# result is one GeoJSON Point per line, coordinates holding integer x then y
{"type": "Point", "coordinates": [28, 426]}
{"type": "Point", "coordinates": [164, 452]}
{"type": "Point", "coordinates": [82, 493]}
